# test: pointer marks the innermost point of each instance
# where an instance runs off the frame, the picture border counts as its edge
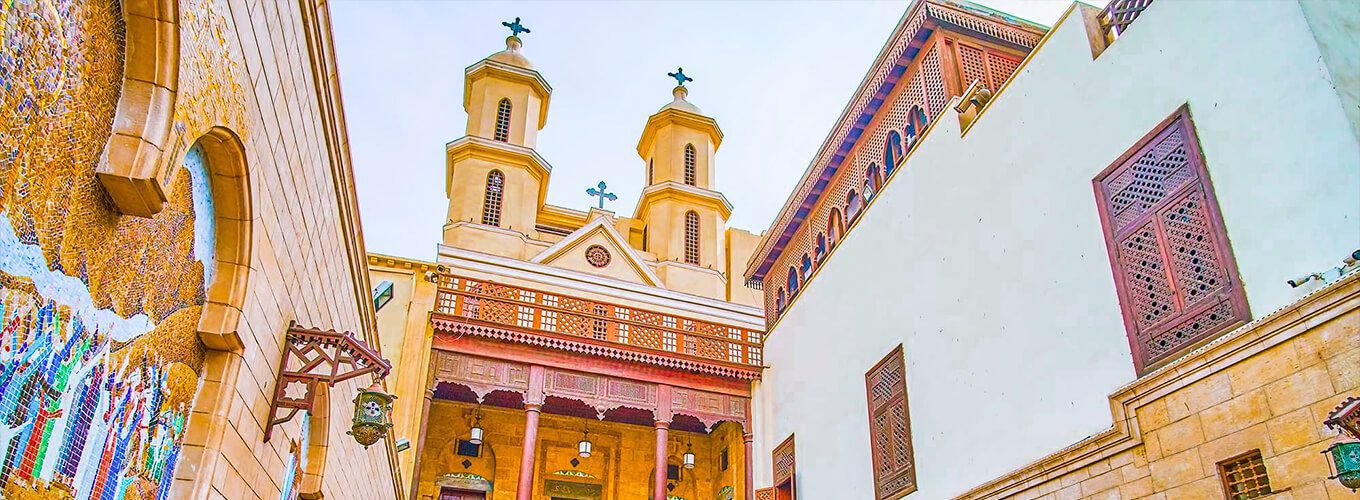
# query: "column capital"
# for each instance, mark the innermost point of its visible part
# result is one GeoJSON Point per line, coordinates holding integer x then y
{"type": "Point", "coordinates": [748, 437]}
{"type": "Point", "coordinates": [661, 424]}
{"type": "Point", "coordinates": [534, 407]}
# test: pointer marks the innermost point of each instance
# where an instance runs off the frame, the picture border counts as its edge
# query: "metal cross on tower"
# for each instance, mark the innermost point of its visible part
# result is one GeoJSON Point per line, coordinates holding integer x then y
{"type": "Point", "coordinates": [601, 193]}
{"type": "Point", "coordinates": [679, 76]}
{"type": "Point", "coordinates": [516, 28]}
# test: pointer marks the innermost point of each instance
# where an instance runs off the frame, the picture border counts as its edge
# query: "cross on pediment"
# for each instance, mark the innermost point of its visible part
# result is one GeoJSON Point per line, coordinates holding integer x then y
{"type": "Point", "coordinates": [601, 193]}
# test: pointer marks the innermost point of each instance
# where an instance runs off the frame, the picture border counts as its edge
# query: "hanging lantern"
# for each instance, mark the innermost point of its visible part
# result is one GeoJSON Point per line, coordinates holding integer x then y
{"type": "Point", "coordinates": [475, 435]}
{"type": "Point", "coordinates": [688, 458]}
{"type": "Point", "coordinates": [1345, 458]}
{"type": "Point", "coordinates": [1345, 453]}
{"type": "Point", "coordinates": [372, 415]}
{"type": "Point", "coordinates": [584, 447]}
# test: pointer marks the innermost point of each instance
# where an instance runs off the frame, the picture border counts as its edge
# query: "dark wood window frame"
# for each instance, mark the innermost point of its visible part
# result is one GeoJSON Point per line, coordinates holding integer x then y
{"type": "Point", "coordinates": [885, 387]}
{"type": "Point", "coordinates": [1166, 311]}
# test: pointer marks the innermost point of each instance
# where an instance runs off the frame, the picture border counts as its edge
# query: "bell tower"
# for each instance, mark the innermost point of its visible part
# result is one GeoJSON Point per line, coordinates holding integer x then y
{"type": "Point", "coordinates": [685, 219]}
{"type": "Point", "coordinates": [494, 178]}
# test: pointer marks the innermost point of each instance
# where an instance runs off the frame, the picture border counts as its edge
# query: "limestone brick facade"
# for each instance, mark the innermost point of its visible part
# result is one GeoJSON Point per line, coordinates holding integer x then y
{"type": "Point", "coordinates": [202, 201]}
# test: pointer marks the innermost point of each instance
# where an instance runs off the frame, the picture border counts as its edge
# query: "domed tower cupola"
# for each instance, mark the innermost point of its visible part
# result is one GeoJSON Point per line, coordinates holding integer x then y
{"type": "Point", "coordinates": [684, 216]}
{"type": "Point", "coordinates": [506, 99]}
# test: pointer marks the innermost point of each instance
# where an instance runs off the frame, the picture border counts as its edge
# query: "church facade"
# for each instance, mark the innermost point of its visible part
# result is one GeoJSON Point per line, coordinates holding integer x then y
{"type": "Point", "coordinates": [549, 352]}
{"type": "Point", "coordinates": [1123, 268]}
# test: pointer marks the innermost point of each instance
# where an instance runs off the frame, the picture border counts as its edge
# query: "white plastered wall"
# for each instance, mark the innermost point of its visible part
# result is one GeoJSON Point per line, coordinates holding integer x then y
{"type": "Point", "coordinates": [985, 255]}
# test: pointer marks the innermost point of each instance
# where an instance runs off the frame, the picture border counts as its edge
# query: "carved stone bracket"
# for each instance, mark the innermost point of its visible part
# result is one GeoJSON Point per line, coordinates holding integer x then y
{"type": "Point", "coordinates": [311, 357]}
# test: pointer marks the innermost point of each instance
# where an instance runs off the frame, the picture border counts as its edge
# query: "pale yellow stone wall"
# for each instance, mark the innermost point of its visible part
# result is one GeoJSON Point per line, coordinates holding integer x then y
{"type": "Point", "coordinates": [1267, 387]}
{"type": "Point", "coordinates": [305, 249]}
{"type": "Point", "coordinates": [621, 463]}
{"type": "Point", "coordinates": [404, 327]}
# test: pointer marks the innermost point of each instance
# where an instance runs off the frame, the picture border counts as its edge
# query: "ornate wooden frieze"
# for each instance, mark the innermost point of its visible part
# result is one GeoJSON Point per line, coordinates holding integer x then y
{"type": "Point", "coordinates": [482, 375]}
{"type": "Point", "coordinates": [710, 408]}
{"type": "Point", "coordinates": [600, 392]}
{"type": "Point", "coordinates": [890, 427]}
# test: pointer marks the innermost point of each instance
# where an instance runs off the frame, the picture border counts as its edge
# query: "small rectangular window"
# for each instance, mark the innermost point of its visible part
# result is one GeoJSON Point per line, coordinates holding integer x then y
{"type": "Point", "coordinates": [467, 449]}
{"type": "Point", "coordinates": [673, 472]}
{"type": "Point", "coordinates": [1244, 477]}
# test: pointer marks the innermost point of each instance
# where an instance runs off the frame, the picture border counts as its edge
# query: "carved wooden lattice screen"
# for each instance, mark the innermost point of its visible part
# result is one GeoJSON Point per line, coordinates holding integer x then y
{"type": "Point", "coordinates": [785, 470]}
{"type": "Point", "coordinates": [1174, 271]}
{"type": "Point", "coordinates": [765, 494]}
{"type": "Point", "coordinates": [890, 427]}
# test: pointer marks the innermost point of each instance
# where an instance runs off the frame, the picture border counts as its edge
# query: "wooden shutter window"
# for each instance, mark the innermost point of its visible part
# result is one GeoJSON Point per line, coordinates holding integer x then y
{"type": "Point", "coordinates": [1174, 271]}
{"type": "Point", "coordinates": [890, 427]}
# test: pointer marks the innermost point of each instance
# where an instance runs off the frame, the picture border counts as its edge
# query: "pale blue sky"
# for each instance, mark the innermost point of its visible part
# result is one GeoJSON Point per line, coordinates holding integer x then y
{"type": "Point", "coordinates": [775, 75]}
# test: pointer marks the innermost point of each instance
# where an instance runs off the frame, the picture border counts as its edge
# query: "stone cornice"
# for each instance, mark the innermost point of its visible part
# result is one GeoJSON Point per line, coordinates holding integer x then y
{"type": "Point", "coordinates": [488, 67]}
{"type": "Point", "coordinates": [501, 153]}
{"type": "Point", "coordinates": [696, 195]}
{"type": "Point", "coordinates": [377, 259]}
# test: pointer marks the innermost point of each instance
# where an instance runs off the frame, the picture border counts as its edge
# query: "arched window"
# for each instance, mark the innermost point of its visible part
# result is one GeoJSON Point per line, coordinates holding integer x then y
{"type": "Point", "coordinates": [821, 247]}
{"type": "Point", "coordinates": [835, 227]}
{"type": "Point", "coordinates": [852, 204]}
{"type": "Point", "coordinates": [916, 125]}
{"type": "Point", "coordinates": [689, 164]}
{"type": "Point", "coordinates": [503, 121]}
{"type": "Point", "coordinates": [691, 238]}
{"type": "Point", "coordinates": [892, 153]}
{"type": "Point", "coordinates": [807, 267]}
{"type": "Point", "coordinates": [793, 282]}
{"type": "Point", "coordinates": [491, 204]}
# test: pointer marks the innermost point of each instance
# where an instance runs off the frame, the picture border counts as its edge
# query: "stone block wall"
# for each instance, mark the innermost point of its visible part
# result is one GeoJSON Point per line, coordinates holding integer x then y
{"type": "Point", "coordinates": [175, 189]}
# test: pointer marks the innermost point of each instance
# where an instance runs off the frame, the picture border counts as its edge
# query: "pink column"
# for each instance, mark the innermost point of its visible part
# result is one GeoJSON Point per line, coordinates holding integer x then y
{"type": "Point", "coordinates": [750, 459]}
{"type": "Point", "coordinates": [525, 490]}
{"type": "Point", "coordinates": [659, 478]}
{"type": "Point", "coordinates": [533, 405]}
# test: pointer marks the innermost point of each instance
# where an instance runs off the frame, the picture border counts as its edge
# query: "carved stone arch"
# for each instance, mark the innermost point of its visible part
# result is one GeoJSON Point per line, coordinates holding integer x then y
{"type": "Point", "coordinates": [318, 436]}
{"type": "Point", "coordinates": [232, 215]}
{"type": "Point", "coordinates": [224, 156]}
{"type": "Point", "coordinates": [135, 166]}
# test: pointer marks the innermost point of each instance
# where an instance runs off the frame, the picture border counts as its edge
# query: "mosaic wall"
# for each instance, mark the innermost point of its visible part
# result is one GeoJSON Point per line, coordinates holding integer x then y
{"type": "Point", "coordinates": [99, 356]}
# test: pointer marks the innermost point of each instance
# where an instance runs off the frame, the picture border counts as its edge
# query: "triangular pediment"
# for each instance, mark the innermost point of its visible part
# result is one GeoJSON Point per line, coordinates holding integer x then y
{"type": "Point", "coordinates": [578, 252]}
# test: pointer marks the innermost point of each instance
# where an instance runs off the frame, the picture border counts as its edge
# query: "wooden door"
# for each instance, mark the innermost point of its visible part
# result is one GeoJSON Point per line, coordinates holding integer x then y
{"type": "Point", "coordinates": [452, 494]}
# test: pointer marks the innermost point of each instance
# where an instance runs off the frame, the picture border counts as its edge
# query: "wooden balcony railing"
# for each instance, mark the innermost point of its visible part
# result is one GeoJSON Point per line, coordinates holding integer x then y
{"type": "Point", "coordinates": [1119, 14]}
{"type": "Point", "coordinates": [563, 316]}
